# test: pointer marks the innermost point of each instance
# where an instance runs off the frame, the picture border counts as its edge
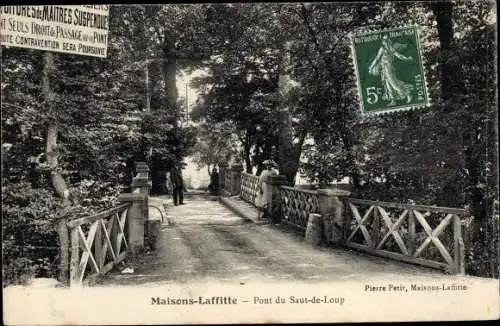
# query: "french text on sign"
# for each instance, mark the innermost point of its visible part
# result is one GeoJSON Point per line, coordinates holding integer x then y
{"type": "Point", "coordinates": [68, 29]}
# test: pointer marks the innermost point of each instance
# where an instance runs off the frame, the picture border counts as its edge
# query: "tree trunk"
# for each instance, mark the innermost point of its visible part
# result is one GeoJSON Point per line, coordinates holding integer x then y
{"type": "Point", "coordinates": [285, 148]}
{"type": "Point", "coordinates": [339, 87]}
{"type": "Point", "coordinates": [451, 86]}
{"type": "Point", "coordinates": [288, 152]}
{"type": "Point", "coordinates": [51, 153]}
{"type": "Point", "coordinates": [351, 151]}
{"type": "Point", "coordinates": [57, 180]}
{"type": "Point", "coordinates": [148, 91]}
{"type": "Point", "coordinates": [170, 70]}
{"type": "Point", "coordinates": [168, 73]}
{"type": "Point", "coordinates": [477, 198]}
{"type": "Point", "coordinates": [246, 153]}
{"type": "Point", "coordinates": [451, 72]}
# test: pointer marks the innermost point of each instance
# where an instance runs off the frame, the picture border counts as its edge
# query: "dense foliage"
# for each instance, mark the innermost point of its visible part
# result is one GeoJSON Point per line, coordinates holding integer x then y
{"type": "Point", "coordinates": [107, 116]}
{"type": "Point", "coordinates": [280, 85]}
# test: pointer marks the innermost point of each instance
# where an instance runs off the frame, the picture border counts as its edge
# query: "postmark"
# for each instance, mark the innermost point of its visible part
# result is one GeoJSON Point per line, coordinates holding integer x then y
{"type": "Point", "coordinates": [389, 70]}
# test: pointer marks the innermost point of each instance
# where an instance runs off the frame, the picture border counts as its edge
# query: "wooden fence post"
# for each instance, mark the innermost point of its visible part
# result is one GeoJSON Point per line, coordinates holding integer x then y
{"type": "Point", "coordinates": [64, 251]}
{"type": "Point", "coordinates": [98, 246]}
{"type": "Point", "coordinates": [274, 182]}
{"type": "Point", "coordinates": [75, 258]}
{"type": "Point", "coordinates": [412, 234]}
{"type": "Point", "coordinates": [332, 210]}
{"type": "Point", "coordinates": [458, 245]}
{"type": "Point", "coordinates": [375, 227]}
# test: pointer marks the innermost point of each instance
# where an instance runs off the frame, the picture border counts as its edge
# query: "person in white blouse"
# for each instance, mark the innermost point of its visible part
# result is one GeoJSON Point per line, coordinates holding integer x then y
{"type": "Point", "coordinates": [262, 201]}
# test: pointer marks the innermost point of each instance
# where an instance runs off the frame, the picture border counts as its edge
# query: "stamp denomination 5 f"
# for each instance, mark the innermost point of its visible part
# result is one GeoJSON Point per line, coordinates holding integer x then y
{"type": "Point", "coordinates": [389, 70]}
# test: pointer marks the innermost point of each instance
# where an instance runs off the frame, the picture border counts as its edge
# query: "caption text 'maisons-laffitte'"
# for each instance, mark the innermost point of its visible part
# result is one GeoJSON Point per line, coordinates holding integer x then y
{"type": "Point", "coordinates": [229, 300]}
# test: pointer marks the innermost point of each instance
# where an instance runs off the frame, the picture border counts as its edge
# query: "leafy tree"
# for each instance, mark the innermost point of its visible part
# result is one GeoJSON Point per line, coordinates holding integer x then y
{"type": "Point", "coordinates": [66, 143]}
{"type": "Point", "coordinates": [331, 102]}
{"type": "Point", "coordinates": [241, 68]}
{"type": "Point", "coordinates": [216, 143]}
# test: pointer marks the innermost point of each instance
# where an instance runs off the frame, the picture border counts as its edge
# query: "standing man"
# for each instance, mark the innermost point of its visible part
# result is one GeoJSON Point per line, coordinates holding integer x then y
{"type": "Point", "coordinates": [177, 184]}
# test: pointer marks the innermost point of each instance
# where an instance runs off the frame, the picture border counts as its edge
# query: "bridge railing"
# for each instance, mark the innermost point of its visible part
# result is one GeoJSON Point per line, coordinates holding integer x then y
{"type": "Point", "coordinates": [424, 235]}
{"type": "Point", "coordinates": [227, 183]}
{"type": "Point", "coordinates": [249, 187]}
{"type": "Point", "coordinates": [297, 205]}
{"type": "Point", "coordinates": [100, 241]}
{"type": "Point", "coordinates": [224, 179]}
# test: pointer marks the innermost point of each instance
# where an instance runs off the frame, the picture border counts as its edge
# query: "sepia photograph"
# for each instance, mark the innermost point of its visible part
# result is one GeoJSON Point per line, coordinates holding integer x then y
{"type": "Point", "coordinates": [225, 163]}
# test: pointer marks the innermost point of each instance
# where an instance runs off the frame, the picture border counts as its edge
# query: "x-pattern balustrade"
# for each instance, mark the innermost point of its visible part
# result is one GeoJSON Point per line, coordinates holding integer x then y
{"type": "Point", "coordinates": [406, 232]}
{"type": "Point", "coordinates": [98, 243]}
{"type": "Point", "coordinates": [297, 204]}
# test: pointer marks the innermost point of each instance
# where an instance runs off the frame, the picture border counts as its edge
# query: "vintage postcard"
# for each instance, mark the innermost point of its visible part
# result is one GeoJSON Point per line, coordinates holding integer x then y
{"type": "Point", "coordinates": [249, 163]}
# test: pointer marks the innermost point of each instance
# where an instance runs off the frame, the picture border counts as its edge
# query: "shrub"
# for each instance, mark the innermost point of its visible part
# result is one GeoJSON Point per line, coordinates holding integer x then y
{"type": "Point", "coordinates": [30, 239]}
{"type": "Point", "coordinates": [30, 245]}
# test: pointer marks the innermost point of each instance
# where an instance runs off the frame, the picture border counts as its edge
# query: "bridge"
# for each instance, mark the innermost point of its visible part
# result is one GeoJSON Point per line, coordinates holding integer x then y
{"type": "Point", "coordinates": [204, 240]}
{"type": "Point", "coordinates": [310, 235]}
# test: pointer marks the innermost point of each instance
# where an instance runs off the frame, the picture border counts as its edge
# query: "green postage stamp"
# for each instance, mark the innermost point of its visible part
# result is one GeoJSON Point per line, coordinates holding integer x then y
{"type": "Point", "coordinates": [389, 70]}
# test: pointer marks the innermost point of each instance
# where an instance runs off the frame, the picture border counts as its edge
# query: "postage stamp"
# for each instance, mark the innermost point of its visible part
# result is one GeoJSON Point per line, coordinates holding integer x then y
{"type": "Point", "coordinates": [389, 70]}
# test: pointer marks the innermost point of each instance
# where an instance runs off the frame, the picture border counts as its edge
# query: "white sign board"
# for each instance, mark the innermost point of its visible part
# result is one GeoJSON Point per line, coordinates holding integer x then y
{"type": "Point", "coordinates": [69, 29]}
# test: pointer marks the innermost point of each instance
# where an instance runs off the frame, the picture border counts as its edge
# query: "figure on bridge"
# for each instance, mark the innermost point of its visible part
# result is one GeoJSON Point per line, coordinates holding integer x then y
{"type": "Point", "coordinates": [262, 197]}
{"type": "Point", "coordinates": [214, 182]}
{"type": "Point", "coordinates": [178, 186]}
